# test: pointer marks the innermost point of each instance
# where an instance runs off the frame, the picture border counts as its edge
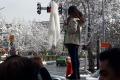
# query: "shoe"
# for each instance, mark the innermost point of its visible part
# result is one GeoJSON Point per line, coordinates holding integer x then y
{"type": "Point", "coordinates": [72, 77]}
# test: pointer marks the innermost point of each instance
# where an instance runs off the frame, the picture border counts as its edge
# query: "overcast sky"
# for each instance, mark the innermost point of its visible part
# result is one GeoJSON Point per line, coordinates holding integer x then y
{"type": "Point", "coordinates": [23, 9]}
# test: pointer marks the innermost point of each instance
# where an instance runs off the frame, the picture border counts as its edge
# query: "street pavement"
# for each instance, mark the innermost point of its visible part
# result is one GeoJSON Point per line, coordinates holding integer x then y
{"type": "Point", "coordinates": [59, 70]}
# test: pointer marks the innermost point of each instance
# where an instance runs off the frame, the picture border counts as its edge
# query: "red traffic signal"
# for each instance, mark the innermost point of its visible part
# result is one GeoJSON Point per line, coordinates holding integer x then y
{"type": "Point", "coordinates": [48, 9]}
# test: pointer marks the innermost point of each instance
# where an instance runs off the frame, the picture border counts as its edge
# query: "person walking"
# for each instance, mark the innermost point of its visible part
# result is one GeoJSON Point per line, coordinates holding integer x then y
{"type": "Point", "coordinates": [69, 70]}
{"type": "Point", "coordinates": [72, 30]}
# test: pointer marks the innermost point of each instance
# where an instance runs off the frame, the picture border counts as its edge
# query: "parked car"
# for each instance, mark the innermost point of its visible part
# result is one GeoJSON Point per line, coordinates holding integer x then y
{"type": "Point", "coordinates": [3, 57]}
{"type": "Point", "coordinates": [94, 76]}
{"type": "Point", "coordinates": [61, 61]}
{"type": "Point", "coordinates": [56, 77]}
{"type": "Point", "coordinates": [1, 62]}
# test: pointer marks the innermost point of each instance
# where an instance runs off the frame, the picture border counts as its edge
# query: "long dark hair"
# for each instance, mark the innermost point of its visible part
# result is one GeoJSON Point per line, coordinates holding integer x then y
{"type": "Point", "coordinates": [18, 68]}
{"type": "Point", "coordinates": [74, 12]}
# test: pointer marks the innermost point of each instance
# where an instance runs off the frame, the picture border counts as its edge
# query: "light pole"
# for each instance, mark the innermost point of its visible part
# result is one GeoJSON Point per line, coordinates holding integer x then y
{"type": "Point", "coordinates": [89, 45]}
{"type": "Point", "coordinates": [103, 21]}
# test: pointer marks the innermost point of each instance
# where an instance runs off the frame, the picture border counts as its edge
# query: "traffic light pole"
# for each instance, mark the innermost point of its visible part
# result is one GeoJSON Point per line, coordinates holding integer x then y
{"type": "Point", "coordinates": [98, 50]}
{"type": "Point", "coordinates": [102, 40]}
{"type": "Point", "coordinates": [89, 46]}
{"type": "Point", "coordinates": [103, 19]}
{"type": "Point", "coordinates": [48, 8]}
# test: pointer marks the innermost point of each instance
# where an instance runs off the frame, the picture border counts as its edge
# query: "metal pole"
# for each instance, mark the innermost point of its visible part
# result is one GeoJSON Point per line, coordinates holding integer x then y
{"type": "Point", "coordinates": [86, 60]}
{"type": "Point", "coordinates": [98, 51]}
{"type": "Point", "coordinates": [103, 21]}
{"type": "Point", "coordinates": [89, 45]}
{"type": "Point", "coordinates": [65, 20]}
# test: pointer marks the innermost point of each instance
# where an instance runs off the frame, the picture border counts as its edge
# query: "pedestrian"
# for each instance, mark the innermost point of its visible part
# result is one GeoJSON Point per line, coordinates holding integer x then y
{"type": "Point", "coordinates": [69, 70]}
{"type": "Point", "coordinates": [72, 30]}
{"type": "Point", "coordinates": [42, 71]}
{"type": "Point", "coordinates": [109, 64]}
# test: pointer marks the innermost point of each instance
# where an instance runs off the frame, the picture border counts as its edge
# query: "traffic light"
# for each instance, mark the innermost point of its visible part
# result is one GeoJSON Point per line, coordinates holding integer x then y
{"type": "Point", "coordinates": [89, 29]}
{"type": "Point", "coordinates": [11, 43]}
{"type": "Point", "coordinates": [38, 8]}
{"type": "Point", "coordinates": [60, 9]}
{"type": "Point", "coordinates": [48, 9]}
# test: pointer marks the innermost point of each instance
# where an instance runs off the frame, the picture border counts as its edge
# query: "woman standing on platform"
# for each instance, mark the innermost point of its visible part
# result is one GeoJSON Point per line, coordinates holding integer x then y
{"type": "Point", "coordinates": [72, 38]}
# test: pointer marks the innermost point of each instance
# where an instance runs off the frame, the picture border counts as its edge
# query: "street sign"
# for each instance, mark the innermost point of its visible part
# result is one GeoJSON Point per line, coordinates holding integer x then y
{"type": "Point", "coordinates": [105, 45]}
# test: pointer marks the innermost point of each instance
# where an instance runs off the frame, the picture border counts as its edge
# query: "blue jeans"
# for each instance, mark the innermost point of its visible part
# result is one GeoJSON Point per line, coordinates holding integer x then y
{"type": "Point", "coordinates": [73, 52]}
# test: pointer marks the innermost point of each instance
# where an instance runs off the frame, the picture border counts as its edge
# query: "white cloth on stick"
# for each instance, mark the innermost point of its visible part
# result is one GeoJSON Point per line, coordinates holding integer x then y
{"type": "Point", "coordinates": [54, 28]}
